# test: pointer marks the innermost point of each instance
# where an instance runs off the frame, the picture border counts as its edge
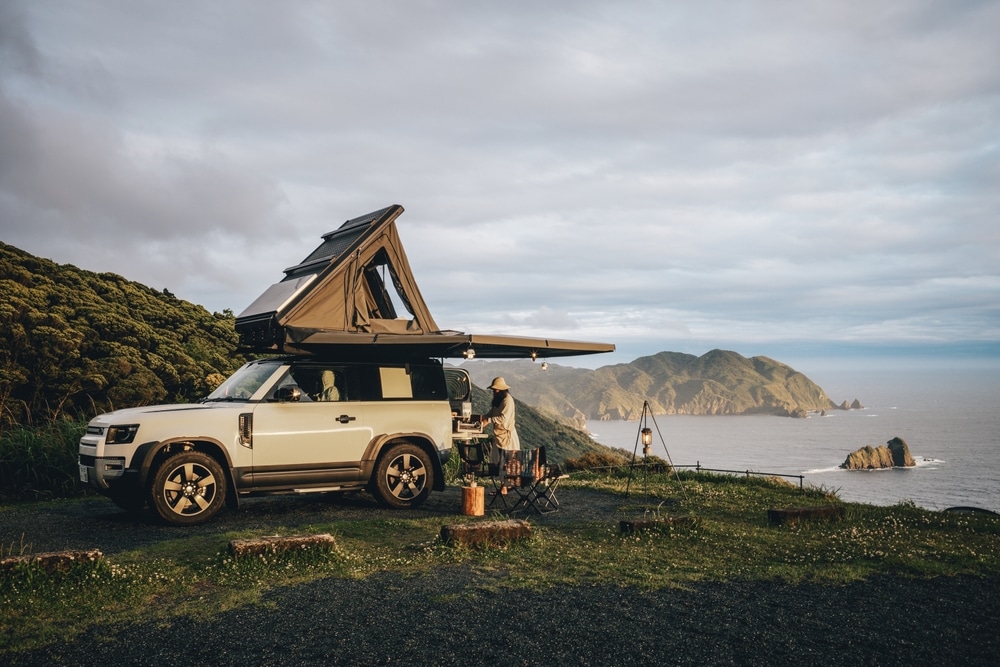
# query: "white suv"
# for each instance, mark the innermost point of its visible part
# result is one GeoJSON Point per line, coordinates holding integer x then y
{"type": "Point", "coordinates": [282, 425]}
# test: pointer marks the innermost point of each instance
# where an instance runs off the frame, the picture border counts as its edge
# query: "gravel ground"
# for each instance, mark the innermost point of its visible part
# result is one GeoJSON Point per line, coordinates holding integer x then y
{"type": "Point", "coordinates": [454, 617]}
{"type": "Point", "coordinates": [96, 523]}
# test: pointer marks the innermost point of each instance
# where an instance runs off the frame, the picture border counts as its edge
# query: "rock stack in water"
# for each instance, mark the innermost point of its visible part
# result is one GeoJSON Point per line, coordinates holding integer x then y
{"type": "Point", "coordinates": [894, 453]}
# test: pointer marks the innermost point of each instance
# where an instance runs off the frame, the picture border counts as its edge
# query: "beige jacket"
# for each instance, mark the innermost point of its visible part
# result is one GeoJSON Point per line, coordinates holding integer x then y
{"type": "Point", "coordinates": [502, 419]}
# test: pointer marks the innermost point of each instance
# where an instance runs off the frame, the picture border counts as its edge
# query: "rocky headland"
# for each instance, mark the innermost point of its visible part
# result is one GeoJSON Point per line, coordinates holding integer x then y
{"type": "Point", "coordinates": [893, 454]}
{"type": "Point", "coordinates": [719, 382]}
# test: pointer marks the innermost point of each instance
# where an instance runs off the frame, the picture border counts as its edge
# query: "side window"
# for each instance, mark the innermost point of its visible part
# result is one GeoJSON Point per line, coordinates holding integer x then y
{"type": "Point", "coordinates": [428, 383]}
{"type": "Point", "coordinates": [295, 377]}
{"type": "Point", "coordinates": [323, 382]}
{"type": "Point", "coordinates": [422, 382]}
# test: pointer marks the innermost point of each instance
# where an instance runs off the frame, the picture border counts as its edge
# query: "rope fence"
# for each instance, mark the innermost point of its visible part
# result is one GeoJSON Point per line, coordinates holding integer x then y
{"type": "Point", "coordinates": [698, 468]}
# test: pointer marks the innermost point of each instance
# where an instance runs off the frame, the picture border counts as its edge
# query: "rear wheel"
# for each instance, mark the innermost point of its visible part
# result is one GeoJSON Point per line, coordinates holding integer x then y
{"type": "Point", "coordinates": [403, 476]}
{"type": "Point", "coordinates": [189, 488]}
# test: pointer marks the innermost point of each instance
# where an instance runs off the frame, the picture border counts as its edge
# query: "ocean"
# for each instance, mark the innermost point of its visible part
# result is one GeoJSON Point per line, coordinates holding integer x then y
{"type": "Point", "coordinates": [949, 418]}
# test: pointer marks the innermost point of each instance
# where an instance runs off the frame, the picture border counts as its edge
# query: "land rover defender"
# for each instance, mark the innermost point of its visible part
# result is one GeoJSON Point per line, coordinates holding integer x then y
{"type": "Point", "coordinates": [282, 425]}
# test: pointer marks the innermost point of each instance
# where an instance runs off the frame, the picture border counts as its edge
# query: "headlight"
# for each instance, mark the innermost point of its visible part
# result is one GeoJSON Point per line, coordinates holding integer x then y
{"type": "Point", "coordinates": [121, 435]}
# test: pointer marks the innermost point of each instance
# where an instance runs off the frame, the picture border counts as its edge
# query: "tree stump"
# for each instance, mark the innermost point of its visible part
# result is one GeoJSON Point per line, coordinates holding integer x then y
{"type": "Point", "coordinates": [276, 543]}
{"type": "Point", "coordinates": [485, 533]}
{"type": "Point", "coordinates": [473, 500]}
{"type": "Point", "coordinates": [52, 561]}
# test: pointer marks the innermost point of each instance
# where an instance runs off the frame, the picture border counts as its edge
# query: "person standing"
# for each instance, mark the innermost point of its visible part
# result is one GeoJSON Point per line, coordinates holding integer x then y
{"type": "Point", "coordinates": [501, 417]}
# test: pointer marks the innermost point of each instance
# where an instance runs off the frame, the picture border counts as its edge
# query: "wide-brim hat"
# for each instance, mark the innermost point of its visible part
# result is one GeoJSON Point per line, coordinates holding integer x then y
{"type": "Point", "coordinates": [499, 384]}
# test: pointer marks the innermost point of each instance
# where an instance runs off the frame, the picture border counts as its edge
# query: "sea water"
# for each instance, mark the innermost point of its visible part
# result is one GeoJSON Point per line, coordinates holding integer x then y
{"type": "Point", "coordinates": [950, 419]}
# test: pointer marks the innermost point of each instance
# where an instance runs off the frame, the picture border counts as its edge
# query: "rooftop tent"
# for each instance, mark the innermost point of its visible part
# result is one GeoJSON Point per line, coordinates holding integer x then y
{"type": "Point", "coordinates": [346, 285]}
{"type": "Point", "coordinates": [340, 299]}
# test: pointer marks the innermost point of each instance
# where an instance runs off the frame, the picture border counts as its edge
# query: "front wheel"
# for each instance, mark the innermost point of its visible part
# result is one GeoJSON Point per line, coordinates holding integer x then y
{"type": "Point", "coordinates": [189, 488]}
{"type": "Point", "coordinates": [403, 476]}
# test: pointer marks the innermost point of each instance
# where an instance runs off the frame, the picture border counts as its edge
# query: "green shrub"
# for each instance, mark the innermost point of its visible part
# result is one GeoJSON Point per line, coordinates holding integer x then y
{"type": "Point", "coordinates": [40, 462]}
{"type": "Point", "coordinates": [596, 460]}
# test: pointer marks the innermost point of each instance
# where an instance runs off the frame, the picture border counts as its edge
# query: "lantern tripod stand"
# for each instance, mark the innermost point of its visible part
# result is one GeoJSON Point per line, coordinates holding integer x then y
{"type": "Point", "coordinates": [645, 435]}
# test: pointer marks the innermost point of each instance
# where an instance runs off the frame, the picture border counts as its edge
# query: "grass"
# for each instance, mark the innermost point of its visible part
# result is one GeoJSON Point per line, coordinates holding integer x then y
{"type": "Point", "coordinates": [40, 462]}
{"type": "Point", "coordinates": [730, 539]}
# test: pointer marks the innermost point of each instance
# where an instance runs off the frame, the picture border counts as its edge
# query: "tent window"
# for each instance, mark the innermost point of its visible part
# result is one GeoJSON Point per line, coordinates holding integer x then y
{"type": "Point", "coordinates": [387, 297]}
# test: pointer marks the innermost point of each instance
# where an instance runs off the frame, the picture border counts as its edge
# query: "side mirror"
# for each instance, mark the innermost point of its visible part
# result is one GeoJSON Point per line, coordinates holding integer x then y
{"type": "Point", "coordinates": [288, 393]}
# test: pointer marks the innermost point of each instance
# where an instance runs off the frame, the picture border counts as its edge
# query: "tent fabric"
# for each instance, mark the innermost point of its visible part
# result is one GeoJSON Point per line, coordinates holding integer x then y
{"type": "Point", "coordinates": [339, 301]}
{"type": "Point", "coordinates": [344, 297]}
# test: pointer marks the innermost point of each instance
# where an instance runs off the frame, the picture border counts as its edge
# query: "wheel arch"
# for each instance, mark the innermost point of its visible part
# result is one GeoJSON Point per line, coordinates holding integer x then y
{"type": "Point", "coordinates": [385, 441]}
{"type": "Point", "coordinates": [153, 454]}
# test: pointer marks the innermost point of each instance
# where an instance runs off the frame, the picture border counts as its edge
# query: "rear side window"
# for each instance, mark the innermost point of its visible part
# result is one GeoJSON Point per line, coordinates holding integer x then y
{"type": "Point", "coordinates": [428, 382]}
{"type": "Point", "coordinates": [415, 381]}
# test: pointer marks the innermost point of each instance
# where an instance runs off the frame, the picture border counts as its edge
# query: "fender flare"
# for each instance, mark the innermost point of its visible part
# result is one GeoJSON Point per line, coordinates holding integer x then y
{"type": "Point", "coordinates": [379, 443]}
{"type": "Point", "coordinates": [147, 453]}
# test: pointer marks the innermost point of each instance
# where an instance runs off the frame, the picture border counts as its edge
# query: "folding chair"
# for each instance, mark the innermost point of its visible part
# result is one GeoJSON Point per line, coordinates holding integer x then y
{"type": "Point", "coordinates": [503, 474]}
{"type": "Point", "coordinates": [523, 476]}
{"type": "Point", "coordinates": [473, 456]}
{"type": "Point", "coordinates": [540, 494]}
{"type": "Point", "coordinates": [545, 500]}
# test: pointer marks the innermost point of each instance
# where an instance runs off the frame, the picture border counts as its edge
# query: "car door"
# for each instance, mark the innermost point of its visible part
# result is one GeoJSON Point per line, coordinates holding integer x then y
{"type": "Point", "coordinates": [310, 432]}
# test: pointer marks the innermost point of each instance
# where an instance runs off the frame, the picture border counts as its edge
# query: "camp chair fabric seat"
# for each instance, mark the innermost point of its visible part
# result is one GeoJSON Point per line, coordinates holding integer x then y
{"type": "Point", "coordinates": [525, 482]}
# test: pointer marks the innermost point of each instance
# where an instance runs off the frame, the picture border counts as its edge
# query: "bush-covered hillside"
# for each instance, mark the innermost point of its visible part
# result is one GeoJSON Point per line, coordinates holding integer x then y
{"type": "Point", "coordinates": [74, 343]}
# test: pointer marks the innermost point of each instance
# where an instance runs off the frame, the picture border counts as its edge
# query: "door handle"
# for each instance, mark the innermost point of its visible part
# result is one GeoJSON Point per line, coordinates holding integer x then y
{"type": "Point", "coordinates": [343, 419]}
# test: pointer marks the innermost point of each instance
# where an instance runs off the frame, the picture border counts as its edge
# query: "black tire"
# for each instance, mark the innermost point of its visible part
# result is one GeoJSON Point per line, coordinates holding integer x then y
{"type": "Point", "coordinates": [404, 476]}
{"type": "Point", "coordinates": [189, 488]}
{"type": "Point", "coordinates": [132, 501]}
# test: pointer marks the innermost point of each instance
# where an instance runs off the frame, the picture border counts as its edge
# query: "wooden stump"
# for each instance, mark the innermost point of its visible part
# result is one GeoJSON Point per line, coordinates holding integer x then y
{"type": "Point", "coordinates": [473, 500]}
{"type": "Point", "coordinates": [485, 532]}
{"type": "Point", "coordinates": [795, 515]}
{"type": "Point", "coordinates": [275, 544]}
{"type": "Point", "coordinates": [52, 561]}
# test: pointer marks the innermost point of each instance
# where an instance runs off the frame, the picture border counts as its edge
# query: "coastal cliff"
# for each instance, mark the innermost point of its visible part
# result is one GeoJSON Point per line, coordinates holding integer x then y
{"type": "Point", "coordinates": [719, 382]}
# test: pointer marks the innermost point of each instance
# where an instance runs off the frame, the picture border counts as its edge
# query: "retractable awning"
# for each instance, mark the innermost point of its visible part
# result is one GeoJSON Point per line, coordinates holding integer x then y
{"type": "Point", "coordinates": [446, 344]}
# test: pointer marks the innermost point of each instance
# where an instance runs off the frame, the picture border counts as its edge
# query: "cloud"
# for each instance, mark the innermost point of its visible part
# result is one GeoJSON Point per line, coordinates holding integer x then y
{"type": "Point", "coordinates": [660, 175]}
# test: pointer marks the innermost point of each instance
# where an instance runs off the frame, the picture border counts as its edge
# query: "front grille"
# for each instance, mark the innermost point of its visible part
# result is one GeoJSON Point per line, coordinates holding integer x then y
{"type": "Point", "coordinates": [95, 430]}
{"type": "Point", "coordinates": [87, 460]}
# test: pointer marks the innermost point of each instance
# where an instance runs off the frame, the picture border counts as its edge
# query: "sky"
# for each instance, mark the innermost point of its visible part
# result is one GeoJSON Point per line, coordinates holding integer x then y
{"type": "Point", "coordinates": [818, 182]}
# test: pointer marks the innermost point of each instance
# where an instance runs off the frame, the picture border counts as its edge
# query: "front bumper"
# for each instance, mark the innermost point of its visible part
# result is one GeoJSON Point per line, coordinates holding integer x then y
{"type": "Point", "coordinates": [103, 472]}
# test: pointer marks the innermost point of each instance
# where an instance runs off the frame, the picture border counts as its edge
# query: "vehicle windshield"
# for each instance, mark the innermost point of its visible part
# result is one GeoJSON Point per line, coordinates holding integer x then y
{"type": "Point", "coordinates": [244, 383]}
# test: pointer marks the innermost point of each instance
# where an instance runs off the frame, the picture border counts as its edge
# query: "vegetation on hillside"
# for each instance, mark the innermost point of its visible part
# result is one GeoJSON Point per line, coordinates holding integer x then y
{"type": "Point", "coordinates": [74, 343]}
